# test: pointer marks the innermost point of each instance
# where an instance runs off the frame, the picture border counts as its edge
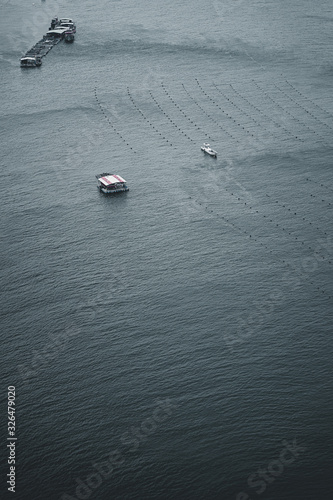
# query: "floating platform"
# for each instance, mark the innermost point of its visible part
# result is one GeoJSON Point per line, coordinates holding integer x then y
{"type": "Point", "coordinates": [111, 183]}
{"type": "Point", "coordinates": [49, 40]}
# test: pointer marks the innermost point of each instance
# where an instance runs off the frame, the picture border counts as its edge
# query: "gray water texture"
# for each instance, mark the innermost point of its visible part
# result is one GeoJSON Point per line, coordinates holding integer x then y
{"type": "Point", "coordinates": [172, 342]}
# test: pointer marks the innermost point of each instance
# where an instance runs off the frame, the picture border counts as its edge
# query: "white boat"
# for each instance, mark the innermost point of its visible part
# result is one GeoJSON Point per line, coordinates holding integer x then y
{"type": "Point", "coordinates": [65, 20]}
{"type": "Point", "coordinates": [61, 22]}
{"type": "Point", "coordinates": [30, 62]}
{"type": "Point", "coordinates": [207, 149]}
{"type": "Point", "coordinates": [70, 27]}
{"type": "Point", "coordinates": [111, 183]}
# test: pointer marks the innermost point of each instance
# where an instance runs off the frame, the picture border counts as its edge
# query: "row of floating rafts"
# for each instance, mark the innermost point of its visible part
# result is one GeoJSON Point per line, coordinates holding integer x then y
{"type": "Point", "coordinates": [113, 183]}
{"type": "Point", "coordinates": [59, 29]}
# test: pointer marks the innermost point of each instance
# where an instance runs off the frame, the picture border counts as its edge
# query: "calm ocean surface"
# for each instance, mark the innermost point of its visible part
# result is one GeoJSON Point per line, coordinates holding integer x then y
{"type": "Point", "coordinates": [173, 342]}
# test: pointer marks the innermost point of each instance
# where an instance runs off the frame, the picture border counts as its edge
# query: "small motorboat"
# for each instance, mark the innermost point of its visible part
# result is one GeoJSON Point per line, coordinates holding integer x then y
{"type": "Point", "coordinates": [207, 149]}
{"type": "Point", "coordinates": [70, 26]}
{"type": "Point", "coordinates": [62, 23]}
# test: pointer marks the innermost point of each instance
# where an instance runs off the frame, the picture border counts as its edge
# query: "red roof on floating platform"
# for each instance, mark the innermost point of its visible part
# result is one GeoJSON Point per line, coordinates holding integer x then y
{"type": "Point", "coordinates": [108, 180]}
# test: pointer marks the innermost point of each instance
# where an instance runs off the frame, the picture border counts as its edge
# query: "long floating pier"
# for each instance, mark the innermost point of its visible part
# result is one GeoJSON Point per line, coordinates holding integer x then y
{"type": "Point", "coordinates": [59, 30]}
{"type": "Point", "coordinates": [42, 47]}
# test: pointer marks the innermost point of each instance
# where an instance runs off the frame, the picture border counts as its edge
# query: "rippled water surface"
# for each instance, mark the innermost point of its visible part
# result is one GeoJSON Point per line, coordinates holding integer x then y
{"type": "Point", "coordinates": [179, 333]}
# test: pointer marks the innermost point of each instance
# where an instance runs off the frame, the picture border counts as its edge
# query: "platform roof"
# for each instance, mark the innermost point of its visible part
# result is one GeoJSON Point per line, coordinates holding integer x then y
{"type": "Point", "coordinates": [57, 31]}
{"type": "Point", "coordinates": [108, 180]}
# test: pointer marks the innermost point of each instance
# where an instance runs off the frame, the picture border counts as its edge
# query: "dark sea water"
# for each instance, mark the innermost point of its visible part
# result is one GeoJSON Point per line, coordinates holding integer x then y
{"type": "Point", "coordinates": [180, 333]}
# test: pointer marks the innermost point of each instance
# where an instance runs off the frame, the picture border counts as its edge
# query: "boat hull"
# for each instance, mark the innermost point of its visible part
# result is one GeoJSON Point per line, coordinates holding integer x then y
{"type": "Point", "coordinates": [210, 153]}
{"type": "Point", "coordinates": [69, 38]}
{"type": "Point", "coordinates": [112, 191]}
{"type": "Point", "coordinates": [32, 64]}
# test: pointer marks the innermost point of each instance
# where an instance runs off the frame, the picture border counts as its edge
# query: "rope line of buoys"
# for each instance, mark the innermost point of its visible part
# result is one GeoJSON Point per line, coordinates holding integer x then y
{"type": "Point", "coordinates": [310, 100]}
{"type": "Point", "coordinates": [319, 184]}
{"type": "Point", "coordinates": [110, 123]}
{"type": "Point", "coordinates": [305, 219]}
{"type": "Point", "coordinates": [174, 124]}
{"type": "Point", "coordinates": [183, 112]}
{"type": "Point", "coordinates": [302, 275]}
{"type": "Point", "coordinates": [321, 199]}
{"type": "Point", "coordinates": [253, 238]}
{"type": "Point", "coordinates": [231, 117]}
{"type": "Point", "coordinates": [303, 108]}
{"type": "Point", "coordinates": [156, 130]}
{"type": "Point", "coordinates": [266, 94]}
{"type": "Point", "coordinates": [270, 219]}
{"type": "Point", "coordinates": [300, 122]}
{"type": "Point", "coordinates": [269, 118]}
{"type": "Point", "coordinates": [237, 107]}
{"type": "Point", "coordinates": [209, 116]}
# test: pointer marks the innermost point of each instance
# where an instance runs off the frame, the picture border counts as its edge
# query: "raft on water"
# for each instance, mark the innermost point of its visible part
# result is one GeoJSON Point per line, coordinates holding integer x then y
{"type": "Point", "coordinates": [111, 183]}
{"type": "Point", "coordinates": [59, 30]}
